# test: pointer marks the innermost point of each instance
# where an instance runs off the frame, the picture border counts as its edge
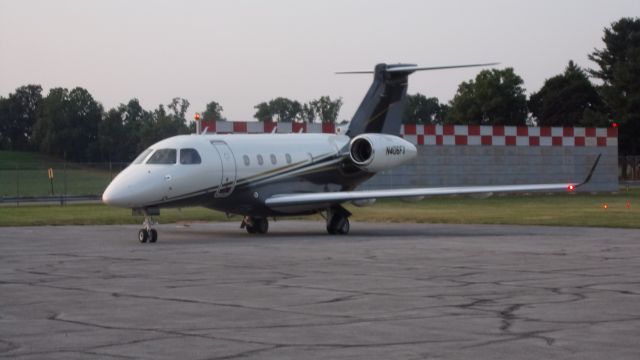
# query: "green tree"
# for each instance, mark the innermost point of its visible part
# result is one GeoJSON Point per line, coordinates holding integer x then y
{"type": "Point", "coordinates": [161, 124]}
{"type": "Point", "coordinates": [284, 109]}
{"type": "Point", "coordinates": [281, 109]}
{"type": "Point", "coordinates": [568, 99]}
{"type": "Point", "coordinates": [619, 71]}
{"type": "Point", "coordinates": [213, 112]}
{"type": "Point", "coordinates": [18, 114]}
{"type": "Point", "coordinates": [6, 118]}
{"type": "Point", "coordinates": [134, 118]}
{"type": "Point", "coordinates": [326, 109]}
{"type": "Point", "coordinates": [112, 135]}
{"type": "Point", "coordinates": [178, 108]}
{"type": "Point", "coordinates": [85, 114]}
{"type": "Point", "coordinates": [308, 113]}
{"type": "Point", "coordinates": [68, 126]}
{"type": "Point", "coordinates": [420, 109]}
{"type": "Point", "coordinates": [496, 97]}
{"type": "Point", "coordinates": [263, 112]}
{"type": "Point", "coordinates": [49, 130]}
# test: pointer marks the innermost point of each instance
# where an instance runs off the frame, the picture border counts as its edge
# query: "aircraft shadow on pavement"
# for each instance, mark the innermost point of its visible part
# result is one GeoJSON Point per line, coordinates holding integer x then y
{"type": "Point", "coordinates": [196, 234]}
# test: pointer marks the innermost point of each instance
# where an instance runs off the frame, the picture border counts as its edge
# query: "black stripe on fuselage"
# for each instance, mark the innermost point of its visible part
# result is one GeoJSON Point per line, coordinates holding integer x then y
{"type": "Point", "coordinates": [324, 164]}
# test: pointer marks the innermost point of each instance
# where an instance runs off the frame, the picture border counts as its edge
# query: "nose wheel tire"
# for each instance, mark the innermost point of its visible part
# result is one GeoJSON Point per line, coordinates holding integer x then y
{"type": "Point", "coordinates": [153, 235]}
{"type": "Point", "coordinates": [147, 233]}
{"type": "Point", "coordinates": [143, 235]}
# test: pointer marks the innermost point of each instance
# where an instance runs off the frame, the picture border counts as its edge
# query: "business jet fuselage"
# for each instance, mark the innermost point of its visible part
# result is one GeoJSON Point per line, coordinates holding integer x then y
{"type": "Point", "coordinates": [271, 175]}
{"type": "Point", "coordinates": [237, 173]}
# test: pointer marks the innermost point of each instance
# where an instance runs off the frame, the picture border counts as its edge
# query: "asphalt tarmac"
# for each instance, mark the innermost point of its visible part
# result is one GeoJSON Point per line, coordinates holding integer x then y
{"type": "Point", "coordinates": [386, 291]}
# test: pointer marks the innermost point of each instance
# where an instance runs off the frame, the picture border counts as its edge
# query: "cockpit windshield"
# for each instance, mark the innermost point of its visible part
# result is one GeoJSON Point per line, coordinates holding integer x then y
{"type": "Point", "coordinates": [163, 156]}
{"type": "Point", "coordinates": [142, 156]}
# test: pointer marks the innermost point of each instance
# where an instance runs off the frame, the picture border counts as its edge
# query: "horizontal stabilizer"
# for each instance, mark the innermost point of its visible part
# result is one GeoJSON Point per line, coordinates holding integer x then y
{"type": "Point", "coordinates": [411, 68]}
{"type": "Point", "coordinates": [427, 68]}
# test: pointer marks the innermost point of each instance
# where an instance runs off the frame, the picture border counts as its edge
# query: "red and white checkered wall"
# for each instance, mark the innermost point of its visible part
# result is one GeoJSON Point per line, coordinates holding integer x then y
{"type": "Point", "coordinates": [447, 134]}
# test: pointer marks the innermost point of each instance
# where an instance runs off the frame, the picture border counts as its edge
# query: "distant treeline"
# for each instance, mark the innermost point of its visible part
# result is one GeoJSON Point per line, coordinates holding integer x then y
{"type": "Point", "coordinates": [73, 125]}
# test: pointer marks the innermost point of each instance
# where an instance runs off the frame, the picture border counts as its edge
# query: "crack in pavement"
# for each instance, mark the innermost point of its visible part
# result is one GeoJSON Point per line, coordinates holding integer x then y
{"type": "Point", "coordinates": [430, 293]}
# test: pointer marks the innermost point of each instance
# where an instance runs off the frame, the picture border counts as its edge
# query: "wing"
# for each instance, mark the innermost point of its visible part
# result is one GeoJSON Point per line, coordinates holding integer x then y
{"type": "Point", "coordinates": [283, 200]}
{"type": "Point", "coordinates": [341, 196]}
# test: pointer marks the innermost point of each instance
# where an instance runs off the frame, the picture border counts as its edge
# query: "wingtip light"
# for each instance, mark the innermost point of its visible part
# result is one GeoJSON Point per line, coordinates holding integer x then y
{"type": "Point", "coordinates": [571, 188]}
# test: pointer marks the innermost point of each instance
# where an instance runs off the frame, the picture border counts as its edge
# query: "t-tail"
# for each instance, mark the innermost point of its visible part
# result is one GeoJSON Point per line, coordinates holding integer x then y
{"type": "Point", "coordinates": [382, 109]}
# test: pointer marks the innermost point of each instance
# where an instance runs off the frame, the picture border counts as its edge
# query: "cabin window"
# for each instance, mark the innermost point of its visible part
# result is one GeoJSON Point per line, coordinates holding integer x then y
{"type": "Point", "coordinates": [273, 159]}
{"type": "Point", "coordinates": [288, 157]}
{"type": "Point", "coordinates": [163, 156]}
{"type": "Point", "coordinates": [246, 160]}
{"type": "Point", "coordinates": [142, 156]}
{"type": "Point", "coordinates": [189, 156]}
{"type": "Point", "coordinates": [260, 160]}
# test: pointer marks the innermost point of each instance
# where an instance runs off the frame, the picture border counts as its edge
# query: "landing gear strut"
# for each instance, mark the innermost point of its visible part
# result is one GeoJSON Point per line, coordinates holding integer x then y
{"type": "Point", "coordinates": [338, 220]}
{"type": "Point", "coordinates": [147, 233]}
{"type": "Point", "coordinates": [255, 225]}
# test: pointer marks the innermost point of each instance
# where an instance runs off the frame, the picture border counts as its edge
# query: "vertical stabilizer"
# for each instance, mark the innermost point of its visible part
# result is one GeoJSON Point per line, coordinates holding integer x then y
{"type": "Point", "coordinates": [382, 109]}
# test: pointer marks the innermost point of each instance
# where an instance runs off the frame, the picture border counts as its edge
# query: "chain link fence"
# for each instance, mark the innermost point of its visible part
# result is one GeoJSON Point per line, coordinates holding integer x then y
{"type": "Point", "coordinates": [24, 182]}
{"type": "Point", "coordinates": [629, 168]}
{"type": "Point", "coordinates": [33, 182]}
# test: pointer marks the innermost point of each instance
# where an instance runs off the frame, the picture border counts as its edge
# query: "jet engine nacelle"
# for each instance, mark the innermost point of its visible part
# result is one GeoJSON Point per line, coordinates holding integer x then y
{"type": "Point", "coordinates": [379, 152]}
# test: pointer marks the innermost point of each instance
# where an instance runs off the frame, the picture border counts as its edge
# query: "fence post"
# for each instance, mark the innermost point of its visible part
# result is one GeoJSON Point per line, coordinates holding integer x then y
{"type": "Point", "coordinates": [64, 172]}
{"type": "Point", "coordinates": [17, 186]}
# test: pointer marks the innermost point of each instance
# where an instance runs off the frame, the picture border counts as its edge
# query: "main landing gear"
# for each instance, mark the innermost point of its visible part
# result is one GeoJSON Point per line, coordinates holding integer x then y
{"type": "Point", "coordinates": [255, 225]}
{"type": "Point", "coordinates": [147, 233]}
{"type": "Point", "coordinates": [338, 220]}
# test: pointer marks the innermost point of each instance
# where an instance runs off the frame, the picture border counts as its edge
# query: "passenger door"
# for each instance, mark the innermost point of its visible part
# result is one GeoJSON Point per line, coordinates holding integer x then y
{"type": "Point", "coordinates": [228, 169]}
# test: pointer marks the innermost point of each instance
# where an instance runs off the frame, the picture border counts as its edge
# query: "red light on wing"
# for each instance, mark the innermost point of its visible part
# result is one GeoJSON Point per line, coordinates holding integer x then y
{"type": "Point", "coordinates": [196, 117]}
{"type": "Point", "coordinates": [571, 188]}
{"type": "Point", "coordinates": [605, 206]}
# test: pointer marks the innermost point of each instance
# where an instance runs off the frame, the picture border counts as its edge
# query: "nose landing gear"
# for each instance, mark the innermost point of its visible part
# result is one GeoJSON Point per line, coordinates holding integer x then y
{"type": "Point", "coordinates": [147, 233]}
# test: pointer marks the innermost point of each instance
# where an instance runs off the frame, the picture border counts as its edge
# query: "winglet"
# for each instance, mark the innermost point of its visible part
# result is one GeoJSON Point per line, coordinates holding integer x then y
{"type": "Point", "coordinates": [593, 168]}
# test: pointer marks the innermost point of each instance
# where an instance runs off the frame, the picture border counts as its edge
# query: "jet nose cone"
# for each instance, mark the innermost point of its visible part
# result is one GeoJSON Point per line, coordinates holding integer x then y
{"type": "Point", "coordinates": [112, 196]}
{"type": "Point", "coordinates": [107, 196]}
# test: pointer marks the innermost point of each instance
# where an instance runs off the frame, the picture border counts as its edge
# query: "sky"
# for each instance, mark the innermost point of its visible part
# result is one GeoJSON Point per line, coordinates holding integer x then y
{"type": "Point", "coordinates": [243, 52]}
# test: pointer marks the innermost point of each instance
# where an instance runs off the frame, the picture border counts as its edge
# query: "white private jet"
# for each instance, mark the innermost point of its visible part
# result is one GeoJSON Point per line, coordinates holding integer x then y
{"type": "Point", "coordinates": [273, 175]}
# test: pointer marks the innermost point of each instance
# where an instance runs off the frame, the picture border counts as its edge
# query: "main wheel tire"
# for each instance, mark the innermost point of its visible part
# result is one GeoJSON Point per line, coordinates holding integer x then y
{"type": "Point", "coordinates": [343, 228]}
{"type": "Point", "coordinates": [338, 225]}
{"type": "Point", "coordinates": [250, 229]}
{"type": "Point", "coordinates": [262, 225]}
{"type": "Point", "coordinates": [143, 235]}
{"type": "Point", "coordinates": [153, 235]}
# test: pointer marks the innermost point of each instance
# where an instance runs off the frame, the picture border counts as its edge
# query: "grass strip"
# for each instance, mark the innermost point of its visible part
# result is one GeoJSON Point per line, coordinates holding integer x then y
{"type": "Point", "coordinates": [600, 210]}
